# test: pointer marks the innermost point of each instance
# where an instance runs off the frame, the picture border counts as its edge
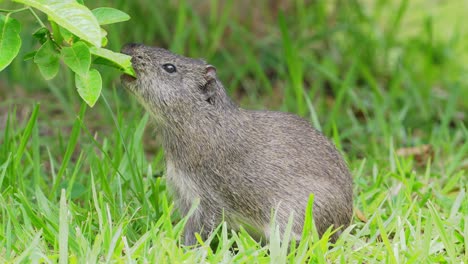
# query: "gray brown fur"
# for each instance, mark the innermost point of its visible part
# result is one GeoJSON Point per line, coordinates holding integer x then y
{"type": "Point", "coordinates": [240, 164]}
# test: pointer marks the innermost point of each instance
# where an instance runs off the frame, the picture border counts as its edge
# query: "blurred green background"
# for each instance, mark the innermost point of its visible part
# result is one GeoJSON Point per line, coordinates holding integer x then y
{"type": "Point", "coordinates": [368, 70]}
{"type": "Point", "coordinates": [378, 77]}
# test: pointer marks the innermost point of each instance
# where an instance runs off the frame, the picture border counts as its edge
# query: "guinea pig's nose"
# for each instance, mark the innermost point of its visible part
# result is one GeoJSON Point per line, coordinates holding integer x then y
{"type": "Point", "coordinates": [130, 48]}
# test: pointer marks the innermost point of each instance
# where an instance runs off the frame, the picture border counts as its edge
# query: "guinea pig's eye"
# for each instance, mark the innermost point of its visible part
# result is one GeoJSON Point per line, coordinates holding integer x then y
{"type": "Point", "coordinates": [170, 68]}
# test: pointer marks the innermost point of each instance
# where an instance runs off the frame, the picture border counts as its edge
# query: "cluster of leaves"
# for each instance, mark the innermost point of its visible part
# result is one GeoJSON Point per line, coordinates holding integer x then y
{"type": "Point", "coordinates": [74, 35]}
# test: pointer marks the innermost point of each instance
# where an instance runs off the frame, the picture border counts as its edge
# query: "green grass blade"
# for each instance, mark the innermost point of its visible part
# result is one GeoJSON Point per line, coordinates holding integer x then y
{"type": "Point", "coordinates": [63, 229]}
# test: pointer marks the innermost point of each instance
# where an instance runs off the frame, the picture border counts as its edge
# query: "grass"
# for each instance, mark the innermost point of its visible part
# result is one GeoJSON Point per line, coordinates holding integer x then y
{"type": "Point", "coordinates": [86, 185]}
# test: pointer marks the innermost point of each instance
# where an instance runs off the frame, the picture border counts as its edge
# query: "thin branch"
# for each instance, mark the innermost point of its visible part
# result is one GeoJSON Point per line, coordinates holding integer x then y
{"type": "Point", "coordinates": [37, 17]}
{"type": "Point", "coordinates": [13, 10]}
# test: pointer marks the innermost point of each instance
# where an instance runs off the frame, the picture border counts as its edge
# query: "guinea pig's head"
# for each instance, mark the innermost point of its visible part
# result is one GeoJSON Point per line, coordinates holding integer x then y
{"type": "Point", "coordinates": [169, 85]}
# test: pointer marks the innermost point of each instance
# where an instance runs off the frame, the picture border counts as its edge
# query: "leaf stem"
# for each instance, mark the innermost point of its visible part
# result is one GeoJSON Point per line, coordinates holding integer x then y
{"type": "Point", "coordinates": [37, 17]}
{"type": "Point", "coordinates": [13, 11]}
{"type": "Point", "coordinates": [44, 26]}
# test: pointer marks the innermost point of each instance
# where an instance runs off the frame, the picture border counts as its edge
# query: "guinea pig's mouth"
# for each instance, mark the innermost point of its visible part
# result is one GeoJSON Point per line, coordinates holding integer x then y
{"type": "Point", "coordinates": [128, 82]}
{"type": "Point", "coordinates": [127, 78]}
{"type": "Point", "coordinates": [129, 49]}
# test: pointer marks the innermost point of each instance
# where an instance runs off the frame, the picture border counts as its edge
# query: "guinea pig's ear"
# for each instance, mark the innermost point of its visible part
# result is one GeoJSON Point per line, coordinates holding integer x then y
{"type": "Point", "coordinates": [209, 89]}
{"type": "Point", "coordinates": [210, 73]}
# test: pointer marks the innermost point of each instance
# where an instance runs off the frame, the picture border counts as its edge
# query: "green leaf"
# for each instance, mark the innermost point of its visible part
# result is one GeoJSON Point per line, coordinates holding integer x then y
{"type": "Point", "coordinates": [29, 55]}
{"type": "Point", "coordinates": [41, 34]}
{"type": "Point", "coordinates": [56, 35]}
{"type": "Point", "coordinates": [107, 15]}
{"type": "Point", "coordinates": [89, 86]}
{"type": "Point", "coordinates": [70, 15]}
{"type": "Point", "coordinates": [10, 41]}
{"type": "Point", "coordinates": [113, 59]}
{"type": "Point", "coordinates": [104, 42]}
{"type": "Point", "coordinates": [47, 59]}
{"type": "Point", "coordinates": [77, 57]}
{"type": "Point", "coordinates": [103, 33]}
{"type": "Point", "coordinates": [68, 37]}
{"type": "Point", "coordinates": [104, 38]}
